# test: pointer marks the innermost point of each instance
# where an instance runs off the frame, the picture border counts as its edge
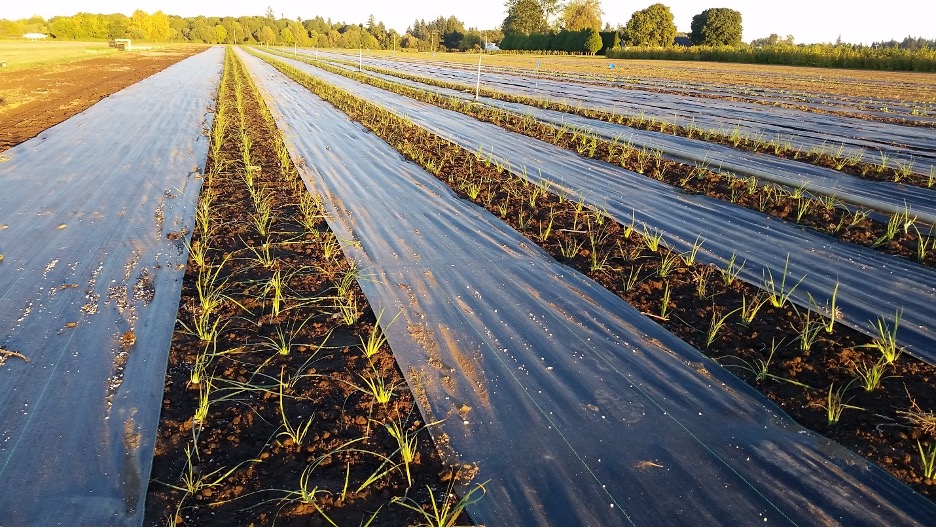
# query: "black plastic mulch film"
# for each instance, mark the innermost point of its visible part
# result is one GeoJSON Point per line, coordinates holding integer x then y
{"type": "Point", "coordinates": [578, 409]}
{"type": "Point", "coordinates": [872, 284]}
{"type": "Point", "coordinates": [881, 196]}
{"type": "Point", "coordinates": [93, 212]}
{"type": "Point", "coordinates": [802, 129]}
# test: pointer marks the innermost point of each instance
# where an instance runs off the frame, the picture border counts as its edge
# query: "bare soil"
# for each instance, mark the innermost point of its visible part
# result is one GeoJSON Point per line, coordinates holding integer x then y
{"type": "Point", "coordinates": [298, 365]}
{"type": "Point", "coordinates": [35, 99]}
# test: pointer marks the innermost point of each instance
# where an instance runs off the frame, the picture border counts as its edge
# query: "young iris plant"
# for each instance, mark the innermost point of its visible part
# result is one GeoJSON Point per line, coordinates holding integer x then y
{"type": "Point", "coordinates": [376, 339]}
{"type": "Point", "coordinates": [296, 434]}
{"type": "Point", "coordinates": [730, 273]}
{"type": "Point", "coordinates": [886, 340]}
{"type": "Point", "coordinates": [274, 290]}
{"type": "Point", "coordinates": [779, 295]}
{"type": "Point", "coordinates": [446, 514]}
{"type": "Point", "coordinates": [716, 324]}
{"type": "Point", "coordinates": [836, 403]}
{"type": "Point", "coordinates": [378, 387]}
{"type": "Point", "coordinates": [928, 459]}
{"type": "Point", "coordinates": [406, 442]}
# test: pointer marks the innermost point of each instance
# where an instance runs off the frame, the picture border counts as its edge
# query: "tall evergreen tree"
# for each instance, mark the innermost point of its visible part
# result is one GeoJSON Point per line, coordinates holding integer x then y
{"type": "Point", "coordinates": [593, 41]}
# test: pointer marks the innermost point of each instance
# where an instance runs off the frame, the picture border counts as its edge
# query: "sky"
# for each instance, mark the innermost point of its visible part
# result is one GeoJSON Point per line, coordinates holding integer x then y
{"type": "Point", "coordinates": [807, 20]}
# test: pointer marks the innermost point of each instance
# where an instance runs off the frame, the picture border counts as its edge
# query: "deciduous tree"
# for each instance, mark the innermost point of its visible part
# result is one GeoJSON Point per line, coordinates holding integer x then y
{"type": "Point", "coordinates": [525, 17]}
{"type": "Point", "coordinates": [652, 26]}
{"type": "Point", "coordinates": [235, 31]}
{"type": "Point", "coordinates": [300, 34]}
{"type": "Point", "coordinates": [287, 37]}
{"type": "Point", "coordinates": [159, 28]}
{"type": "Point", "coordinates": [718, 26]}
{"type": "Point", "coordinates": [11, 28]}
{"type": "Point", "coordinates": [139, 27]}
{"type": "Point", "coordinates": [220, 34]}
{"type": "Point", "coordinates": [267, 36]}
{"type": "Point", "coordinates": [61, 28]}
{"type": "Point", "coordinates": [581, 14]}
{"type": "Point", "coordinates": [773, 40]}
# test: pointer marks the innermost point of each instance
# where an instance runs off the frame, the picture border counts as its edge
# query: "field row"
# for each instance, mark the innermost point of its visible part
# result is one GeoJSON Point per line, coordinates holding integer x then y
{"type": "Point", "coordinates": [847, 208]}
{"type": "Point", "coordinates": [282, 402]}
{"type": "Point", "coordinates": [393, 293]}
{"type": "Point", "coordinates": [867, 279]}
{"type": "Point", "coordinates": [93, 223]}
{"type": "Point", "coordinates": [902, 96]}
{"type": "Point", "coordinates": [790, 131]}
{"type": "Point", "coordinates": [436, 161]}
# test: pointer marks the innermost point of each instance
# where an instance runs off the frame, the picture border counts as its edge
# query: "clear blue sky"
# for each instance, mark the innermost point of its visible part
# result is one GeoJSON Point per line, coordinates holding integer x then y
{"type": "Point", "coordinates": [807, 20]}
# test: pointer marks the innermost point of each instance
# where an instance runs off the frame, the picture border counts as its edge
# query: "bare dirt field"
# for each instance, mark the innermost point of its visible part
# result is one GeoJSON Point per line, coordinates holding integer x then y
{"type": "Point", "coordinates": [34, 99]}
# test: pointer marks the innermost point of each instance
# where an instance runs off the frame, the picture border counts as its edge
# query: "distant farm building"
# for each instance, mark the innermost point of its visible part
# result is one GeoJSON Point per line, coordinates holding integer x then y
{"type": "Point", "coordinates": [34, 36]}
{"type": "Point", "coordinates": [120, 44]}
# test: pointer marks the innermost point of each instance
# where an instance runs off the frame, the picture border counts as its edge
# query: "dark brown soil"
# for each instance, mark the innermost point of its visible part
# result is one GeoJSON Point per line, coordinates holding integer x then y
{"type": "Point", "coordinates": [345, 468]}
{"type": "Point", "coordinates": [35, 99]}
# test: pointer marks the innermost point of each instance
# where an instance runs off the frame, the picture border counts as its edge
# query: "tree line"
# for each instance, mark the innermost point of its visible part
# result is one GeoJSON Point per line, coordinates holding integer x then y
{"type": "Point", "coordinates": [544, 25]}
{"type": "Point", "coordinates": [444, 33]}
{"type": "Point", "coordinates": [573, 26]}
{"type": "Point", "coordinates": [715, 35]}
{"type": "Point", "coordinates": [578, 27]}
{"type": "Point", "coordinates": [813, 55]}
{"type": "Point", "coordinates": [908, 43]}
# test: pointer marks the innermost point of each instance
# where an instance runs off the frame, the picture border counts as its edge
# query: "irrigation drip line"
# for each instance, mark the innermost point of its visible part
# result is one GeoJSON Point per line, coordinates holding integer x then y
{"type": "Point", "coordinates": [871, 284]}
{"type": "Point", "coordinates": [577, 408]}
{"type": "Point", "coordinates": [94, 213]}
{"type": "Point", "coordinates": [804, 129]}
